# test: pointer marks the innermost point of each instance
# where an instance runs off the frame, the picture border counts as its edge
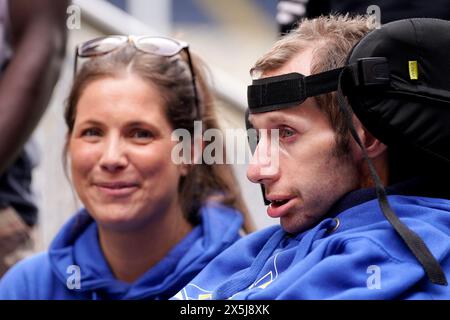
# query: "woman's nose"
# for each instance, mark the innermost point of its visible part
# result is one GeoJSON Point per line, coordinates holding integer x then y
{"type": "Point", "coordinates": [113, 155]}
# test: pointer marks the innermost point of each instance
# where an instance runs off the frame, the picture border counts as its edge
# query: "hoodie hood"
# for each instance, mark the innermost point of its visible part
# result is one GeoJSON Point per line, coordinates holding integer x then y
{"type": "Point", "coordinates": [77, 245]}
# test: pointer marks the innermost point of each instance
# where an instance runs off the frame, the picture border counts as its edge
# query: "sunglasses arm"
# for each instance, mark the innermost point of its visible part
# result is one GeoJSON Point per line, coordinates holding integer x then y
{"type": "Point", "coordinates": [75, 62]}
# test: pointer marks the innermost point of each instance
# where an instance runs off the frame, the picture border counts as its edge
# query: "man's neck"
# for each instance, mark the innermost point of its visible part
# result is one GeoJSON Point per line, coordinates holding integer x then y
{"type": "Point", "coordinates": [381, 166]}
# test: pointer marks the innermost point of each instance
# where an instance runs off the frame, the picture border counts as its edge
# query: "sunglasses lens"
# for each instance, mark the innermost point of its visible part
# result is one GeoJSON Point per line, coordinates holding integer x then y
{"type": "Point", "coordinates": [153, 45]}
{"type": "Point", "coordinates": [159, 46]}
{"type": "Point", "coordinates": [98, 46]}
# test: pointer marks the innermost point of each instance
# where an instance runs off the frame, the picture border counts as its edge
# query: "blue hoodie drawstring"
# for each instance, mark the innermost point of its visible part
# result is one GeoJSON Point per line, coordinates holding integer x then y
{"type": "Point", "coordinates": [317, 233]}
{"type": "Point", "coordinates": [94, 295]}
{"type": "Point", "coordinates": [229, 288]}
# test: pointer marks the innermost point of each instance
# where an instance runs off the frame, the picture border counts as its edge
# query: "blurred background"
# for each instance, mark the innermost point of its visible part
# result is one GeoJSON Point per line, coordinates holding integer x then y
{"type": "Point", "coordinates": [228, 35]}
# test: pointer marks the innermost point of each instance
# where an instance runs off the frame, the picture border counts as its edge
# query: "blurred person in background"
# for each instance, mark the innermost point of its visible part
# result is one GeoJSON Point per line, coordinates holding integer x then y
{"type": "Point", "coordinates": [32, 48]}
{"type": "Point", "coordinates": [149, 224]}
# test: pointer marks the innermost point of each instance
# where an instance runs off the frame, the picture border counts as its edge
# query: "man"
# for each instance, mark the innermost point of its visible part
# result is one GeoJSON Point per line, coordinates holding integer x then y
{"type": "Point", "coordinates": [334, 241]}
{"type": "Point", "coordinates": [32, 48]}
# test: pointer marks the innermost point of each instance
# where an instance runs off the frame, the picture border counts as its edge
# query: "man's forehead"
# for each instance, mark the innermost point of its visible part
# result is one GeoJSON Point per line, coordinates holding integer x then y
{"type": "Point", "coordinates": [300, 63]}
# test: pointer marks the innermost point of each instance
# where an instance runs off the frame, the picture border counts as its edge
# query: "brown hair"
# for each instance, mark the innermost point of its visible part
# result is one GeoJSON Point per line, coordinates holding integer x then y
{"type": "Point", "coordinates": [332, 38]}
{"type": "Point", "coordinates": [172, 78]}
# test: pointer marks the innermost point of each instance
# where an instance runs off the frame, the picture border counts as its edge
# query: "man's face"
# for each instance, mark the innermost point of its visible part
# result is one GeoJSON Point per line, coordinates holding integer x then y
{"type": "Point", "coordinates": [310, 177]}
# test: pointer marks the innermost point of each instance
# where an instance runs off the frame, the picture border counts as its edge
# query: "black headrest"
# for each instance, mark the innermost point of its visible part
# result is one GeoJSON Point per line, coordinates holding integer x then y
{"type": "Point", "coordinates": [413, 108]}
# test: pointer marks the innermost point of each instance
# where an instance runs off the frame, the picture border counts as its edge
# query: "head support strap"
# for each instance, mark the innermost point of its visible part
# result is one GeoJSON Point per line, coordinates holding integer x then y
{"type": "Point", "coordinates": [289, 90]}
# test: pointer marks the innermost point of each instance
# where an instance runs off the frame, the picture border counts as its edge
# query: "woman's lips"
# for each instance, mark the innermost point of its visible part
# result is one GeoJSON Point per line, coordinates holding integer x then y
{"type": "Point", "coordinates": [116, 189]}
{"type": "Point", "coordinates": [278, 209]}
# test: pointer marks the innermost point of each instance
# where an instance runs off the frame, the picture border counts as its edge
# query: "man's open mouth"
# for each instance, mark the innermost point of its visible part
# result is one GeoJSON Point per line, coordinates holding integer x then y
{"type": "Point", "coordinates": [278, 203]}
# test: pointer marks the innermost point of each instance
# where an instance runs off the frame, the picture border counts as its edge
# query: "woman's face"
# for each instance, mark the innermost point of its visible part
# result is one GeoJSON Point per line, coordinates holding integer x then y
{"type": "Point", "coordinates": [120, 152]}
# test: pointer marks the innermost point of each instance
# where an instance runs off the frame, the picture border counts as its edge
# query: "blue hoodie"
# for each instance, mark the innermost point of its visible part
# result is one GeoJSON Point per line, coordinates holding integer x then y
{"type": "Point", "coordinates": [353, 253]}
{"type": "Point", "coordinates": [50, 275]}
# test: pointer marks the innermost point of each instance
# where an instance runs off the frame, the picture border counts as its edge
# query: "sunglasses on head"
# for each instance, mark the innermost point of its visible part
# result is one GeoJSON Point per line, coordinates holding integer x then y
{"type": "Point", "coordinates": [160, 46]}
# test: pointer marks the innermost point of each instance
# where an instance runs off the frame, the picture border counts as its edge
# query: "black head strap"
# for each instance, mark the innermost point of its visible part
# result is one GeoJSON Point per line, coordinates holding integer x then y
{"type": "Point", "coordinates": [288, 90]}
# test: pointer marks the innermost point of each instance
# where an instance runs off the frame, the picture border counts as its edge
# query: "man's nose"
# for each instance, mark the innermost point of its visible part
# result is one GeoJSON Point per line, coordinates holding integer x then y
{"type": "Point", "coordinates": [114, 156]}
{"type": "Point", "coordinates": [264, 165]}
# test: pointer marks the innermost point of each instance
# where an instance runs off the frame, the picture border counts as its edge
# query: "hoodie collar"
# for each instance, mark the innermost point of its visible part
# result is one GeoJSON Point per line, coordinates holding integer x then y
{"type": "Point", "coordinates": [77, 244]}
{"type": "Point", "coordinates": [418, 186]}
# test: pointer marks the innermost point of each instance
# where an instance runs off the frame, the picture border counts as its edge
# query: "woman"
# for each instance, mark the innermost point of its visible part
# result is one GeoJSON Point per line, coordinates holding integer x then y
{"type": "Point", "coordinates": [149, 224]}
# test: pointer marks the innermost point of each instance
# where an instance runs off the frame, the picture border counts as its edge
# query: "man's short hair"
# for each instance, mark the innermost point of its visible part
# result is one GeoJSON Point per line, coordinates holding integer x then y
{"type": "Point", "coordinates": [332, 38]}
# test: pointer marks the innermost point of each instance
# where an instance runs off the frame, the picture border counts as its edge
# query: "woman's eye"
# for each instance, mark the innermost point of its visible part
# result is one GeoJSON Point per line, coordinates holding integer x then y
{"type": "Point", "coordinates": [141, 134]}
{"type": "Point", "coordinates": [91, 132]}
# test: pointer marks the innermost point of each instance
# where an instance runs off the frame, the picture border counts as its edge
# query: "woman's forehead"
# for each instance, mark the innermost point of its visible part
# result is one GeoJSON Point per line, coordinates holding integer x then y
{"type": "Point", "coordinates": [120, 98]}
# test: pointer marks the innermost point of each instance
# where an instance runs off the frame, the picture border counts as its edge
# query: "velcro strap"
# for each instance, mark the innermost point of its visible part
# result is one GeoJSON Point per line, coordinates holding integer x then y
{"type": "Point", "coordinates": [288, 90]}
{"type": "Point", "coordinates": [275, 93]}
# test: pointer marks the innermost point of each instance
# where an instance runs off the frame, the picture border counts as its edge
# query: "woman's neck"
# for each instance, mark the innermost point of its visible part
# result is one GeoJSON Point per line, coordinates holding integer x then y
{"type": "Point", "coordinates": [133, 252]}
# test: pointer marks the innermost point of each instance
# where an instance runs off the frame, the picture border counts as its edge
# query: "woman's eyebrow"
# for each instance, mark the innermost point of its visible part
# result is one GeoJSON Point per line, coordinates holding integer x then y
{"type": "Point", "coordinates": [90, 122]}
{"type": "Point", "coordinates": [138, 123]}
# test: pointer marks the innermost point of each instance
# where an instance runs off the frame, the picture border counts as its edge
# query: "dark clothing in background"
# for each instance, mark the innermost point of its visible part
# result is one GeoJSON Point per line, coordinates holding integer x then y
{"type": "Point", "coordinates": [15, 188]}
{"type": "Point", "coordinates": [15, 182]}
{"type": "Point", "coordinates": [390, 10]}
{"type": "Point", "coordinates": [18, 212]}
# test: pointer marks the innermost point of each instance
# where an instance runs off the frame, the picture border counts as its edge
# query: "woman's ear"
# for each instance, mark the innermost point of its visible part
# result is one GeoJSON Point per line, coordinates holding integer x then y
{"type": "Point", "coordinates": [184, 169]}
{"type": "Point", "coordinates": [196, 156]}
{"type": "Point", "coordinates": [67, 144]}
{"type": "Point", "coordinates": [197, 150]}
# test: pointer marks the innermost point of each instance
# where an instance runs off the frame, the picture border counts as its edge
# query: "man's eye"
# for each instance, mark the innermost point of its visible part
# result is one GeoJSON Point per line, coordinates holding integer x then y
{"type": "Point", "coordinates": [286, 133]}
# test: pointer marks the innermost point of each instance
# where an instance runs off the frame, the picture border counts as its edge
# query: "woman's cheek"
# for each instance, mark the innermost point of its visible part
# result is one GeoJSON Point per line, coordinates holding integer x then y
{"type": "Point", "coordinates": [83, 157]}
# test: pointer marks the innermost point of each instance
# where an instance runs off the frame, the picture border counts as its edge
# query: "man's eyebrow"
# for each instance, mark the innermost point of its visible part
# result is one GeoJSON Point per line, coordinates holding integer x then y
{"type": "Point", "coordinates": [273, 117]}
{"type": "Point", "coordinates": [278, 118]}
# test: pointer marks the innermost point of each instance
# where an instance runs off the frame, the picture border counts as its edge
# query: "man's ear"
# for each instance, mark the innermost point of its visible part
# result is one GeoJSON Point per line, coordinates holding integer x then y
{"type": "Point", "coordinates": [373, 146]}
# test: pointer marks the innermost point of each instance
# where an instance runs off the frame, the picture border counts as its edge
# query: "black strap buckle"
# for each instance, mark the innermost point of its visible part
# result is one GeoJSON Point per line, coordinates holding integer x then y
{"type": "Point", "coordinates": [370, 71]}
